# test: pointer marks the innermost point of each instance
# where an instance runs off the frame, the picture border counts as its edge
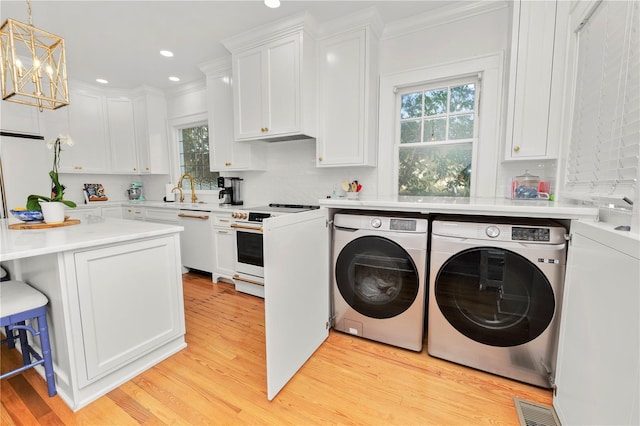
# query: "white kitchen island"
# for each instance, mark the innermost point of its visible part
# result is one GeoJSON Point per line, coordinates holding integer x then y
{"type": "Point", "coordinates": [115, 297]}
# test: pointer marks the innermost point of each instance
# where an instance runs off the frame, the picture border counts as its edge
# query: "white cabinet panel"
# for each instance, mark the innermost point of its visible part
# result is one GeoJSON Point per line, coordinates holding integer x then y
{"type": "Point", "coordinates": [196, 241]}
{"type": "Point", "coordinates": [274, 82]}
{"type": "Point", "coordinates": [122, 137]}
{"type": "Point", "coordinates": [536, 79]}
{"type": "Point", "coordinates": [599, 346]}
{"type": "Point", "coordinates": [139, 279]}
{"type": "Point", "coordinates": [249, 102]}
{"type": "Point", "coordinates": [17, 118]}
{"type": "Point", "coordinates": [112, 211]}
{"type": "Point", "coordinates": [224, 247]}
{"type": "Point", "coordinates": [348, 97]}
{"type": "Point", "coordinates": [296, 300]}
{"type": "Point", "coordinates": [150, 116]}
{"type": "Point", "coordinates": [226, 153]}
{"type": "Point", "coordinates": [90, 152]}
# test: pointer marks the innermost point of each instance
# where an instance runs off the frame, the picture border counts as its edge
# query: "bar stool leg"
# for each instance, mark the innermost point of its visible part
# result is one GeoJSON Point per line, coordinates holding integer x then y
{"type": "Point", "coordinates": [24, 344]}
{"type": "Point", "coordinates": [10, 339]}
{"type": "Point", "coordinates": [46, 352]}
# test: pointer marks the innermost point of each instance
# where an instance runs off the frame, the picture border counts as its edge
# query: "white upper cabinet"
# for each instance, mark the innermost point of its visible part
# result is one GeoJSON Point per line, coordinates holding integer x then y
{"type": "Point", "coordinates": [274, 81]}
{"type": "Point", "coordinates": [122, 135]}
{"type": "Point", "coordinates": [347, 131]}
{"type": "Point", "coordinates": [17, 118]}
{"type": "Point", "coordinates": [150, 116]}
{"type": "Point", "coordinates": [87, 128]}
{"type": "Point", "coordinates": [225, 153]}
{"type": "Point", "coordinates": [538, 55]}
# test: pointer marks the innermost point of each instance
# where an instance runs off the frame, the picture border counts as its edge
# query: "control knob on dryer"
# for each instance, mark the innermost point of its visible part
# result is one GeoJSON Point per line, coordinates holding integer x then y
{"type": "Point", "coordinates": [492, 231]}
{"type": "Point", "coordinates": [376, 222]}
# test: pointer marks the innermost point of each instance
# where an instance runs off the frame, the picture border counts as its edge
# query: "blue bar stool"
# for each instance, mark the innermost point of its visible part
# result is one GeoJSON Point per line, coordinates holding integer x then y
{"type": "Point", "coordinates": [20, 302]}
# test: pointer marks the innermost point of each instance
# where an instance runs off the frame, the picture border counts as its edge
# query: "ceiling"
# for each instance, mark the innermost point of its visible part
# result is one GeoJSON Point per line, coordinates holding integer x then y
{"type": "Point", "coordinates": [120, 40]}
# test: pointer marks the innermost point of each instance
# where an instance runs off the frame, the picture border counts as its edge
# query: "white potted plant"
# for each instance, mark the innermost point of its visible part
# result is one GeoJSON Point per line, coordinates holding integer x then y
{"type": "Point", "coordinates": [53, 207]}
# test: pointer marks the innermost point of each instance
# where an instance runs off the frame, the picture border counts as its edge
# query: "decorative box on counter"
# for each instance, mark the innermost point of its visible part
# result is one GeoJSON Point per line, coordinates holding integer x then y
{"type": "Point", "coordinates": [528, 187]}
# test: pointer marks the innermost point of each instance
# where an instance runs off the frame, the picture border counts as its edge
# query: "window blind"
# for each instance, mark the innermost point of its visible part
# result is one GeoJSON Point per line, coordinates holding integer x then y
{"type": "Point", "coordinates": [604, 152]}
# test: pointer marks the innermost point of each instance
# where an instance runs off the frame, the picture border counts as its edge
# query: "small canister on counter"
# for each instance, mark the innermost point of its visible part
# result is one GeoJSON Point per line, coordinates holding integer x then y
{"type": "Point", "coordinates": [529, 187]}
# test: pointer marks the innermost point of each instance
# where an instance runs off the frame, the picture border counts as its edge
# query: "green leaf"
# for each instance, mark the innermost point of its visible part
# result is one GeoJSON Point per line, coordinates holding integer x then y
{"type": "Point", "coordinates": [33, 202]}
{"type": "Point", "coordinates": [58, 189]}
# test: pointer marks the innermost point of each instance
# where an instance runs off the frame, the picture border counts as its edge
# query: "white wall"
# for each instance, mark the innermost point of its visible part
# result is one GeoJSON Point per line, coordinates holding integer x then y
{"type": "Point", "coordinates": [419, 42]}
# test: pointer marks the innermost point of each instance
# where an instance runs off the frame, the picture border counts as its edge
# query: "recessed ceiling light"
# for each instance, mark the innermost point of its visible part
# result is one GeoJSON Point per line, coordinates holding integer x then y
{"type": "Point", "coordinates": [272, 3]}
{"type": "Point", "coordinates": [172, 78]}
{"type": "Point", "coordinates": [102, 81]}
{"type": "Point", "coordinates": [166, 53]}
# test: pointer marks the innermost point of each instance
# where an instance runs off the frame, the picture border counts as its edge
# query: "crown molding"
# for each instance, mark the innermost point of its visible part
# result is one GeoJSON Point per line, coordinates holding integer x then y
{"type": "Point", "coordinates": [436, 18]}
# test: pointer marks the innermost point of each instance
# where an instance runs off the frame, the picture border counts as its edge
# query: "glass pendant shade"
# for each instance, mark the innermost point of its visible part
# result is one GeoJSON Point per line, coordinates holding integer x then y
{"type": "Point", "coordinates": [32, 66]}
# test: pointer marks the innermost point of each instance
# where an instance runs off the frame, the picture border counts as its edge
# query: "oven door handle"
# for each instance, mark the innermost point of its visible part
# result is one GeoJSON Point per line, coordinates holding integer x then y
{"type": "Point", "coordinates": [203, 217]}
{"type": "Point", "coordinates": [237, 277]}
{"type": "Point", "coordinates": [251, 228]}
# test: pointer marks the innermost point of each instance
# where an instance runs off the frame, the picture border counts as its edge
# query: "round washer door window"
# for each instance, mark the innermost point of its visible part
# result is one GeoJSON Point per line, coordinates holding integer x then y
{"type": "Point", "coordinates": [377, 277]}
{"type": "Point", "coordinates": [494, 296]}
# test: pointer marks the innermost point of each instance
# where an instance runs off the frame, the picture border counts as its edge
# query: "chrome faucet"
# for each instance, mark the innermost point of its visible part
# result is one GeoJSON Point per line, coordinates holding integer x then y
{"type": "Point", "coordinates": [193, 189]}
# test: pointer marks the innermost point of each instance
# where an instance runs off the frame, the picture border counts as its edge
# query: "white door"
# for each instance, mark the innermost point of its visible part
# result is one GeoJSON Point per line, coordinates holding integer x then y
{"type": "Point", "coordinates": [296, 281]}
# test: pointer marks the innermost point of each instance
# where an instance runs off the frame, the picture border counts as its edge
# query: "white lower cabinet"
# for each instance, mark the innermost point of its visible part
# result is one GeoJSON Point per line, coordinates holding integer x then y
{"type": "Point", "coordinates": [598, 371]}
{"type": "Point", "coordinates": [133, 213]}
{"type": "Point", "coordinates": [224, 246]}
{"type": "Point", "coordinates": [113, 211]}
{"type": "Point", "coordinates": [139, 279]}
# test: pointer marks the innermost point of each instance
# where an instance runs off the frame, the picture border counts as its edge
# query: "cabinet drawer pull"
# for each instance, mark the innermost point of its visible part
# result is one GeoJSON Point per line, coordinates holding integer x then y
{"type": "Point", "coordinates": [203, 217]}
{"type": "Point", "coordinates": [223, 232]}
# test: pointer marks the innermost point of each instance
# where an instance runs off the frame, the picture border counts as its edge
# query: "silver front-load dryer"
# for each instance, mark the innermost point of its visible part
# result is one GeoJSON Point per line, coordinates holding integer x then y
{"type": "Point", "coordinates": [495, 295]}
{"type": "Point", "coordinates": [379, 278]}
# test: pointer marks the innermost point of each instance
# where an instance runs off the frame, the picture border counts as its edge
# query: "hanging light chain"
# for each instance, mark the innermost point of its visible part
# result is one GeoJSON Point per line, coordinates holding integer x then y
{"type": "Point", "coordinates": [29, 12]}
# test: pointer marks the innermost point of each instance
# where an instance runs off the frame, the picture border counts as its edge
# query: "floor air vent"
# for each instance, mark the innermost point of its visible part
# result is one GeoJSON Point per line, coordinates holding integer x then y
{"type": "Point", "coordinates": [531, 414]}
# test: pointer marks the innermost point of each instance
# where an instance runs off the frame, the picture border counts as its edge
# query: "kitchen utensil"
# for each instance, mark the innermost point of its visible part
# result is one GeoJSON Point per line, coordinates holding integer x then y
{"type": "Point", "coordinates": [345, 186]}
{"type": "Point", "coordinates": [358, 188]}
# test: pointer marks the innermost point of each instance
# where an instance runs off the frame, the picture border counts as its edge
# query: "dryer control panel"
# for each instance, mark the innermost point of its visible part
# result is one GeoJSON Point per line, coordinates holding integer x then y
{"type": "Point", "coordinates": [529, 234]}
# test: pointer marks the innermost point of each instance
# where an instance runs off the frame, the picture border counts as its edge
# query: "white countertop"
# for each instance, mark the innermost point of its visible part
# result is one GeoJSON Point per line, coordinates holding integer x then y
{"type": "Point", "coordinates": [92, 231]}
{"type": "Point", "coordinates": [468, 206]}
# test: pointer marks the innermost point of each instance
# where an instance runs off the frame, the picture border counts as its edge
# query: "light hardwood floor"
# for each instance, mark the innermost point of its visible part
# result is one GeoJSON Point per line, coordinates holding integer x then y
{"type": "Point", "coordinates": [220, 379]}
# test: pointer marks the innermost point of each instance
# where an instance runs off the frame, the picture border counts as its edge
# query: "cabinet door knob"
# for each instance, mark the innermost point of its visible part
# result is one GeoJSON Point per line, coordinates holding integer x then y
{"type": "Point", "coordinates": [319, 158]}
{"type": "Point", "coordinates": [516, 148]}
{"type": "Point", "coordinates": [264, 129]}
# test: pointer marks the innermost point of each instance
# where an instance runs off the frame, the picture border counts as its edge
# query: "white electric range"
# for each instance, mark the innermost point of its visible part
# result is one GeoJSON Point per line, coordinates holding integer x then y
{"type": "Point", "coordinates": [247, 222]}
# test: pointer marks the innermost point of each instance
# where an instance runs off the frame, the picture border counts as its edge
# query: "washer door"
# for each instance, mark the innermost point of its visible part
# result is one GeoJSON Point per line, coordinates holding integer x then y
{"type": "Point", "coordinates": [377, 277]}
{"type": "Point", "coordinates": [494, 296]}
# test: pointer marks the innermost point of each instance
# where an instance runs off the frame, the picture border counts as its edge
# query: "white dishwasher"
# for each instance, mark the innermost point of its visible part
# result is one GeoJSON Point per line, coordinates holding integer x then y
{"type": "Point", "coordinates": [196, 241]}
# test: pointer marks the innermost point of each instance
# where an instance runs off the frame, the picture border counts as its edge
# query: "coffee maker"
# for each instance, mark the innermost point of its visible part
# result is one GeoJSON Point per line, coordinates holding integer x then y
{"type": "Point", "coordinates": [230, 194]}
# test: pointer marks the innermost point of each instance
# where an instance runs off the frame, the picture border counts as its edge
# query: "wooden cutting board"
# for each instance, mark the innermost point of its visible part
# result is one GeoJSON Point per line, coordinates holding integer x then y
{"type": "Point", "coordinates": [42, 225]}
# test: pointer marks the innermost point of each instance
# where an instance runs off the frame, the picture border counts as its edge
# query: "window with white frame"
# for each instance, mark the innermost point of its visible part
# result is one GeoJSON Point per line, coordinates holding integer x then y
{"type": "Point", "coordinates": [437, 131]}
{"type": "Point", "coordinates": [193, 153]}
{"type": "Point", "coordinates": [603, 160]}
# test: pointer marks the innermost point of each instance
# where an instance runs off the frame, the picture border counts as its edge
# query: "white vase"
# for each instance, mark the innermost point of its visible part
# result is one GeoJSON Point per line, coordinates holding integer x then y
{"type": "Point", "coordinates": [52, 212]}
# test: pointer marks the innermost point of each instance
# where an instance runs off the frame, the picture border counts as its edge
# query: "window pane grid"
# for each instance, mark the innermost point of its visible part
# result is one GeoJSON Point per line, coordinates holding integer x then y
{"type": "Point", "coordinates": [194, 156]}
{"type": "Point", "coordinates": [437, 133]}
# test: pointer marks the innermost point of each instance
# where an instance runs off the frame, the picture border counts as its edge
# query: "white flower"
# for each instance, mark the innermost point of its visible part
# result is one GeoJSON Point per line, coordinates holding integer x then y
{"type": "Point", "coordinates": [62, 139]}
{"type": "Point", "coordinates": [65, 139]}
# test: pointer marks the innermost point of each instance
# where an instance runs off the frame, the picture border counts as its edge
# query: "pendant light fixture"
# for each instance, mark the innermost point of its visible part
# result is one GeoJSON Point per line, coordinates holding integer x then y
{"type": "Point", "coordinates": [32, 65]}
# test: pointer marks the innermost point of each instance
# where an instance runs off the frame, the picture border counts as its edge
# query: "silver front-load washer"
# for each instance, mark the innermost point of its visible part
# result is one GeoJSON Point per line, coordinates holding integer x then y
{"type": "Point", "coordinates": [495, 295]}
{"type": "Point", "coordinates": [379, 278]}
